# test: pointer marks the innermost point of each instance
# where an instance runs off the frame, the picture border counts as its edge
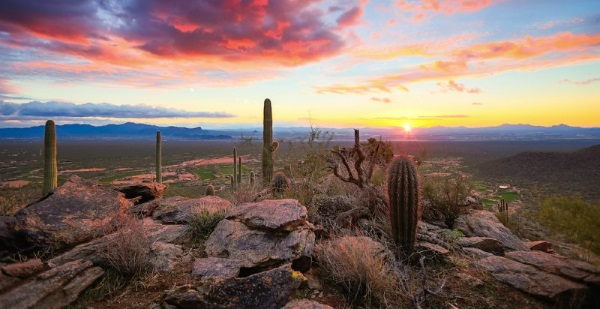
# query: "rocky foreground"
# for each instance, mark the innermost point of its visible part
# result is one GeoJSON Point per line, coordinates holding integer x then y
{"type": "Point", "coordinates": [255, 258]}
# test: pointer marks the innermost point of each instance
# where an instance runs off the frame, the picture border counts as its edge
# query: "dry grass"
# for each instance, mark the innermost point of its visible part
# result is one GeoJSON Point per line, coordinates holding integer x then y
{"type": "Point", "coordinates": [128, 250]}
{"type": "Point", "coordinates": [367, 277]}
{"type": "Point", "coordinates": [203, 223]}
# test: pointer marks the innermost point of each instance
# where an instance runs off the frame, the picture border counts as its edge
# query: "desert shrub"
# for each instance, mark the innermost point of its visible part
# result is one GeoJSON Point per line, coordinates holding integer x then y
{"type": "Point", "coordinates": [443, 198]}
{"type": "Point", "coordinates": [575, 218]}
{"type": "Point", "coordinates": [203, 223]}
{"type": "Point", "coordinates": [127, 251]}
{"type": "Point", "coordinates": [367, 278]}
{"type": "Point", "coordinates": [280, 185]}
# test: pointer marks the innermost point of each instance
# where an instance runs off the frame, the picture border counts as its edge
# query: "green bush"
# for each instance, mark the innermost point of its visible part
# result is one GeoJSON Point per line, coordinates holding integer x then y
{"type": "Point", "coordinates": [203, 223]}
{"type": "Point", "coordinates": [575, 218]}
{"type": "Point", "coordinates": [444, 196]}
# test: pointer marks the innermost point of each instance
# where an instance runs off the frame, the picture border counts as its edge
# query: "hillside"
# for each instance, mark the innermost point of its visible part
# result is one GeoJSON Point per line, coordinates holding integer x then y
{"type": "Point", "coordinates": [573, 172]}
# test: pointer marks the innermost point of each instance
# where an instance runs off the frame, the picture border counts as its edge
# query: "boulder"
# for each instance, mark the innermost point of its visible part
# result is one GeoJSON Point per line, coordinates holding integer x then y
{"type": "Point", "coordinates": [268, 289]}
{"type": "Point", "coordinates": [540, 245]}
{"type": "Point", "coordinates": [305, 304]}
{"type": "Point", "coordinates": [430, 250]}
{"type": "Point", "coordinates": [178, 210]}
{"type": "Point", "coordinates": [273, 215]}
{"type": "Point", "coordinates": [164, 257]}
{"type": "Point", "coordinates": [209, 268]}
{"type": "Point", "coordinates": [156, 232]}
{"type": "Point", "coordinates": [76, 212]}
{"type": "Point", "coordinates": [258, 248]}
{"type": "Point", "coordinates": [558, 265]}
{"type": "Point", "coordinates": [146, 209]}
{"type": "Point", "coordinates": [486, 244]}
{"type": "Point", "coordinates": [483, 223]}
{"type": "Point", "coordinates": [531, 280]}
{"type": "Point", "coordinates": [54, 288]}
{"type": "Point", "coordinates": [142, 192]}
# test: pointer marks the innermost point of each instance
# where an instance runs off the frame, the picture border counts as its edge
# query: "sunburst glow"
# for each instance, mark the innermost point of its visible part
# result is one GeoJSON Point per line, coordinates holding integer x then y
{"type": "Point", "coordinates": [407, 127]}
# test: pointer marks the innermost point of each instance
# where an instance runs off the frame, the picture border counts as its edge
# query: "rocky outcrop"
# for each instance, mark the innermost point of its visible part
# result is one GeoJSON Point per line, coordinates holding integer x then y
{"type": "Point", "coordinates": [76, 212]}
{"type": "Point", "coordinates": [264, 234]}
{"type": "Point", "coordinates": [143, 192]}
{"type": "Point", "coordinates": [179, 210]}
{"type": "Point", "coordinates": [54, 288]}
{"type": "Point", "coordinates": [268, 289]}
{"type": "Point", "coordinates": [532, 280]}
{"type": "Point", "coordinates": [482, 223]}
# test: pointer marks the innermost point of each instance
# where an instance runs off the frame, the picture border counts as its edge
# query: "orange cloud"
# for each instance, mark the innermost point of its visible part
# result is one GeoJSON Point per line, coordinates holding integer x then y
{"type": "Point", "coordinates": [528, 53]}
{"type": "Point", "coordinates": [458, 87]}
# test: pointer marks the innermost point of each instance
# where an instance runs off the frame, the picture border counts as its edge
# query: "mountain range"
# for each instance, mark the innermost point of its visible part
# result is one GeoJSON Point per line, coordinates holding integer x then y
{"type": "Point", "coordinates": [131, 130]}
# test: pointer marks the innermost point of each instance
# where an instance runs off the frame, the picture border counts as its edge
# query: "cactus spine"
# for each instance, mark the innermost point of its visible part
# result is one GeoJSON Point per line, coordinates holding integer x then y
{"type": "Point", "coordinates": [234, 183]}
{"type": "Point", "coordinates": [158, 157]}
{"type": "Point", "coordinates": [404, 202]}
{"type": "Point", "coordinates": [210, 190]}
{"type": "Point", "coordinates": [50, 163]}
{"type": "Point", "coordinates": [239, 175]}
{"type": "Point", "coordinates": [269, 147]}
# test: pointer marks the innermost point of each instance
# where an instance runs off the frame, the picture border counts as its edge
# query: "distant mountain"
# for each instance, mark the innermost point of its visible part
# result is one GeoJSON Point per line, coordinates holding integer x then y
{"type": "Point", "coordinates": [127, 130]}
{"type": "Point", "coordinates": [577, 171]}
{"type": "Point", "coordinates": [511, 129]}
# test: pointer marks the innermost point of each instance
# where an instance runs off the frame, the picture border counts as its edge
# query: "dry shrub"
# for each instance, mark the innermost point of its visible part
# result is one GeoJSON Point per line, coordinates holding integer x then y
{"type": "Point", "coordinates": [127, 251]}
{"type": "Point", "coordinates": [365, 274]}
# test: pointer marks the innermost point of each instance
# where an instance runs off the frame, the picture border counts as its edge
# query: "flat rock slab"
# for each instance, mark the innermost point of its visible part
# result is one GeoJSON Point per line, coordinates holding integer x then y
{"type": "Point", "coordinates": [23, 269]}
{"type": "Point", "coordinates": [258, 248]}
{"type": "Point", "coordinates": [558, 265]}
{"type": "Point", "coordinates": [211, 268]}
{"type": "Point", "coordinates": [531, 280]}
{"type": "Point", "coordinates": [76, 212]}
{"type": "Point", "coordinates": [305, 304]}
{"type": "Point", "coordinates": [273, 215]}
{"type": "Point", "coordinates": [54, 288]}
{"type": "Point", "coordinates": [483, 223]}
{"type": "Point", "coordinates": [178, 210]}
{"type": "Point", "coordinates": [540, 245]}
{"type": "Point", "coordinates": [269, 290]}
{"type": "Point", "coordinates": [486, 244]}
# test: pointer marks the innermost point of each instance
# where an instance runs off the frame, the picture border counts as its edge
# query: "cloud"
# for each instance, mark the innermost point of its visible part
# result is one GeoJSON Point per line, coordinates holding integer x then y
{"type": "Point", "coordinates": [422, 117]}
{"type": "Point", "coordinates": [457, 87]}
{"type": "Point", "coordinates": [383, 100]}
{"type": "Point", "coordinates": [477, 104]}
{"type": "Point", "coordinates": [582, 82]}
{"type": "Point", "coordinates": [482, 59]}
{"type": "Point", "coordinates": [278, 32]}
{"type": "Point", "coordinates": [37, 109]}
{"type": "Point", "coordinates": [420, 10]}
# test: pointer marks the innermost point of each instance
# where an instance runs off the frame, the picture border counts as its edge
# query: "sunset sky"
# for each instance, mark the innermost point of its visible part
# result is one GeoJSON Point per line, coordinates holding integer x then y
{"type": "Point", "coordinates": [339, 63]}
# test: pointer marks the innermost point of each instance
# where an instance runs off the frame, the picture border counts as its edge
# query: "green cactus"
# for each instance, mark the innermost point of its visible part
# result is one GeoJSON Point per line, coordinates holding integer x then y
{"type": "Point", "coordinates": [50, 163]}
{"type": "Point", "coordinates": [404, 202]}
{"type": "Point", "coordinates": [158, 157]}
{"type": "Point", "coordinates": [239, 175]}
{"type": "Point", "coordinates": [234, 183]}
{"type": "Point", "coordinates": [252, 178]}
{"type": "Point", "coordinates": [210, 190]}
{"type": "Point", "coordinates": [269, 147]}
{"type": "Point", "coordinates": [503, 210]}
{"type": "Point", "coordinates": [280, 184]}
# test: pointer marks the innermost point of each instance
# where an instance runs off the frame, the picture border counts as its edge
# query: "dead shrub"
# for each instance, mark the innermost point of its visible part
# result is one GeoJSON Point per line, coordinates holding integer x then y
{"type": "Point", "coordinates": [127, 250]}
{"type": "Point", "coordinates": [366, 276]}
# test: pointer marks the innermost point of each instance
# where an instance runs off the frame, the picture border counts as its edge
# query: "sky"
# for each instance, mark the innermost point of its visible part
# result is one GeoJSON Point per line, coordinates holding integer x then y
{"type": "Point", "coordinates": [338, 63]}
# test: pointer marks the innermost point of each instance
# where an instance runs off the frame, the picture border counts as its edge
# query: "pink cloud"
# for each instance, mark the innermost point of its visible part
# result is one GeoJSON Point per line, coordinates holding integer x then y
{"type": "Point", "coordinates": [382, 100]}
{"type": "Point", "coordinates": [457, 87]}
{"type": "Point", "coordinates": [422, 9]}
{"type": "Point", "coordinates": [582, 82]}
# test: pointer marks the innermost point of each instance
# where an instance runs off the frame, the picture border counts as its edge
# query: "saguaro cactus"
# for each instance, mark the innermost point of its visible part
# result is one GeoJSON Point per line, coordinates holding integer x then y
{"type": "Point", "coordinates": [210, 190]}
{"type": "Point", "coordinates": [252, 178]}
{"type": "Point", "coordinates": [158, 157]}
{"type": "Point", "coordinates": [503, 210]}
{"type": "Point", "coordinates": [234, 168]}
{"type": "Point", "coordinates": [239, 175]}
{"type": "Point", "coordinates": [404, 202]}
{"type": "Point", "coordinates": [269, 147]}
{"type": "Point", "coordinates": [50, 163]}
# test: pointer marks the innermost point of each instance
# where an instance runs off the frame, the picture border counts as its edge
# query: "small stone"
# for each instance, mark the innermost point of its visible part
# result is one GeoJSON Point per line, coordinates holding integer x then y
{"type": "Point", "coordinates": [540, 245]}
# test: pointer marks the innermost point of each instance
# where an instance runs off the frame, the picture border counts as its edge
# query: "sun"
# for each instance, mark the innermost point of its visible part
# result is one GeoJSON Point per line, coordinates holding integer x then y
{"type": "Point", "coordinates": [407, 127]}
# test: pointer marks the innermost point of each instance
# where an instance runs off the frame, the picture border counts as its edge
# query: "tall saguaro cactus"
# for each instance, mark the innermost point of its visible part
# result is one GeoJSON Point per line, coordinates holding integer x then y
{"type": "Point", "coordinates": [404, 202]}
{"type": "Point", "coordinates": [239, 175]}
{"type": "Point", "coordinates": [158, 157]}
{"type": "Point", "coordinates": [234, 183]}
{"type": "Point", "coordinates": [269, 147]}
{"type": "Point", "coordinates": [50, 163]}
